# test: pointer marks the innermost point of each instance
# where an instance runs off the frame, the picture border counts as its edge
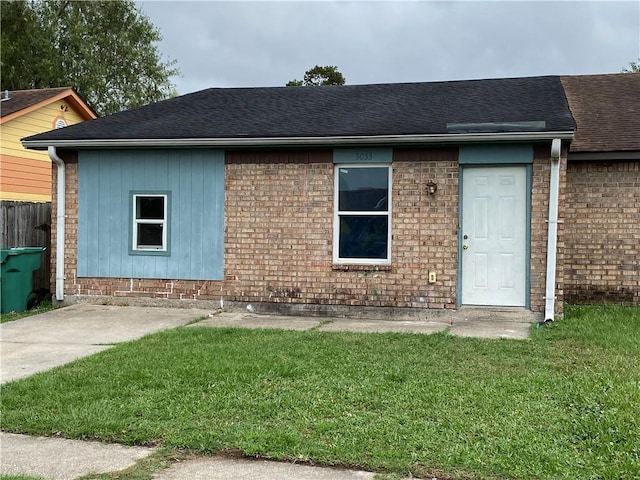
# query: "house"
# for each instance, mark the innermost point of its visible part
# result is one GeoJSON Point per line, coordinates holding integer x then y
{"type": "Point", "coordinates": [414, 196]}
{"type": "Point", "coordinates": [26, 174]}
{"type": "Point", "coordinates": [602, 212]}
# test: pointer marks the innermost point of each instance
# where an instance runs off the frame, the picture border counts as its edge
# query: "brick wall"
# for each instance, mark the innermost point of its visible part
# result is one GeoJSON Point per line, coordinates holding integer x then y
{"type": "Point", "coordinates": [279, 239]}
{"type": "Point", "coordinates": [603, 232]}
{"type": "Point", "coordinates": [71, 220]}
{"type": "Point", "coordinates": [279, 236]}
{"type": "Point", "coordinates": [539, 228]}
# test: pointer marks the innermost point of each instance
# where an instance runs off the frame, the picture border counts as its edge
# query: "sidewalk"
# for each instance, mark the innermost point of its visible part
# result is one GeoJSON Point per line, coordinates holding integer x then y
{"type": "Point", "coordinates": [62, 459]}
{"type": "Point", "coordinates": [54, 338]}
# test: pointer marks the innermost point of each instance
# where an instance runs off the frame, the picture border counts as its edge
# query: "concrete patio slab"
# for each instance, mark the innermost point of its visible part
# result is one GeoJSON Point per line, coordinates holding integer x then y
{"type": "Point", "coordinates": [380, 326]}
{"type": "Point", "coordinates": [486, 328]}
{"type": "Point", "coordinates": [62, 459]}
{"type": "Point", "coordinates": [479, 323]}
{"type": "Point", "coordinates": [249, 320]}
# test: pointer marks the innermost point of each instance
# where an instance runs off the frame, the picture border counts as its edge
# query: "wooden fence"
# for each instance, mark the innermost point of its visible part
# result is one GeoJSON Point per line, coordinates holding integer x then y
{"type": "Point", "coordinates": [26, 224]}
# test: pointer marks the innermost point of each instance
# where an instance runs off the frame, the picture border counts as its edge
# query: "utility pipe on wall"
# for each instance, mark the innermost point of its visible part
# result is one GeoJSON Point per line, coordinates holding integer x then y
{"type": "Point", "coordinates": [60, 222]}
{"type": "Point", "coordinates": [552, 231]}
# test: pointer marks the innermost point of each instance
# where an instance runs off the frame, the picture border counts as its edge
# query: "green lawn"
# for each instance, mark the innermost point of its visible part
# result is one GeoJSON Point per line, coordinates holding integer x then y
{"type": "Point", "coordinates": [565, 404]}
{"type": "Point", "coordinates": [18, 477]}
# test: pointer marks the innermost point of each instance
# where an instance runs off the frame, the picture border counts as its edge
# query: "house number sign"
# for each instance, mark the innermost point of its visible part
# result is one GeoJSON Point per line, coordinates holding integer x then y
{"type": "Point", "coordinates": [362, 155]}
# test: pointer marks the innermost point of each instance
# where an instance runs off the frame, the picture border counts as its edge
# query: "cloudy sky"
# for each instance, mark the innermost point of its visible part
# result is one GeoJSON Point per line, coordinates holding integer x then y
{"type": "Point", "coordinates": [268, 43]}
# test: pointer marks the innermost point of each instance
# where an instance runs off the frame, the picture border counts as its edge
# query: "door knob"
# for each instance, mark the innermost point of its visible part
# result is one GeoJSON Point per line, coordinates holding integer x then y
{"type": "Point", "coordinates": [464, 247]}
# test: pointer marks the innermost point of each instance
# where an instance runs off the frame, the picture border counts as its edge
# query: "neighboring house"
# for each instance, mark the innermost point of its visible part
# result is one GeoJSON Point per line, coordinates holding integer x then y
{"type": "Point", "coordinates": [25, 175]}
{"type": "Point", "coordinates": [602, 213]}
{"type": "Point", "coordinates": [417, 195]}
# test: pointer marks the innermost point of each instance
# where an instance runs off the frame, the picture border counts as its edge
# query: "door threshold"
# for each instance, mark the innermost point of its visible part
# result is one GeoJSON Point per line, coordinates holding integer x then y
{"type": "Point", "coordinates": [498, 308]}
{"type": "Point", "coordinates": [501, 313]}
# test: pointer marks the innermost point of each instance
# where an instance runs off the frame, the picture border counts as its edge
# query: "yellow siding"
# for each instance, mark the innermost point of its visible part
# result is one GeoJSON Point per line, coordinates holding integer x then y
{"type": "Point", "coordinates": [10, 135]}
{"type": "Point", "coordinates": [38, 121]}
{"type": "Point", "coordinates": [24, 197]}
{"type": "Point", "coordinates": [11, 132]}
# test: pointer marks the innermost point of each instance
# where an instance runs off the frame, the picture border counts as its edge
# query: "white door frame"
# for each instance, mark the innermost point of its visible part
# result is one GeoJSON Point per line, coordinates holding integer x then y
{"type": "Point", "coordinates": [529, 179]}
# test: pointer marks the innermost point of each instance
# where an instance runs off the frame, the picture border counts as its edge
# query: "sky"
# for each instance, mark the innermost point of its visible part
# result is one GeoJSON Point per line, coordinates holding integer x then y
{"type": "Point", "coordinates": [268, 43]}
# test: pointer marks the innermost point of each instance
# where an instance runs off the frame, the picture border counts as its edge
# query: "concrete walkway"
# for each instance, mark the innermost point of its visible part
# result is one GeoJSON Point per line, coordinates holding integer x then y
{"type": "Point", "coordinates": [62, 459]}
{"type": "Point", "coordinates": [478, 323]}
{"type": "Point", "coordinates": [38, 343]}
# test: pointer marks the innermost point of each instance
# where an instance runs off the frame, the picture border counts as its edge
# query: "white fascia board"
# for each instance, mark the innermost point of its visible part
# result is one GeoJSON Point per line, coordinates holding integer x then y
{"type": "Point", "coordinates": [301, 141]}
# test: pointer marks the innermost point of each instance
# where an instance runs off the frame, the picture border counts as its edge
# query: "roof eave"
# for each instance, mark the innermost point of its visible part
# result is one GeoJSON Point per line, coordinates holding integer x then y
{"type": "Point", "coordinates": [70, 95]}
{"type": "Point", "coordinates": [300, 141]}
{"type": "Point", "coordinates": [604, 156]}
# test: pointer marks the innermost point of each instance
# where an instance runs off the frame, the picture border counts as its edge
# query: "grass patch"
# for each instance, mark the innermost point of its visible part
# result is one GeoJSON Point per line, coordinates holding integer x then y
{"type": "Point", "coordinates": [43, 307]}
{"type": "Point", "coordinates": [18, 477]}
{"type": "Point", "coordinates": [564, 405]}
{"type": "Point", "coordinates": [145, 468]}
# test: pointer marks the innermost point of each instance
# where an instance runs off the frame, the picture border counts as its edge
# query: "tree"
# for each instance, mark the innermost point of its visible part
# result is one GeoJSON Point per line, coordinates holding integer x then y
{"type": "Point", "coordinates": [106, 50]}
{"type": "Point", "coordinates": [634, 67]}
{"type": "Point", "coordinates": [25, 51]}
{"type": "Point", "coordinates": [316, 76]}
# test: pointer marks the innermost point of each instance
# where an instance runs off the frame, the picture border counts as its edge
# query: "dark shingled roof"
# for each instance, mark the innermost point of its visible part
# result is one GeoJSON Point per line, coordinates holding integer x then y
{"type": "Point", "coordinates": [607, 111]}
{"type": "Point", "coordinates": [348, 110]}
{"type": "Point", "coordinates": [21, 99]}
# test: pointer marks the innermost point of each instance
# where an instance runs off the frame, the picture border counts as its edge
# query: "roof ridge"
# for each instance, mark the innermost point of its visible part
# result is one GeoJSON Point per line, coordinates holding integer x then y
{"type": "Point", "coordinates": [38, 89]}
{"type": "Point", "coordinates": [379, 84]}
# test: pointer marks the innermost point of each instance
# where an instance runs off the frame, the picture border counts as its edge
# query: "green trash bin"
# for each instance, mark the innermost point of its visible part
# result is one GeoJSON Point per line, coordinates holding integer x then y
{"type": "Point", "coordinates": [18, 265]}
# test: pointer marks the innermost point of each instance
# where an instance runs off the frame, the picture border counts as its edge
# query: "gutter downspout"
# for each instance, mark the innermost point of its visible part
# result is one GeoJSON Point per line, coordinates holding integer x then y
{"type": "Point", "coordinates": [60, 222]}
{"type": "Point", "coordinates": [552, 237]}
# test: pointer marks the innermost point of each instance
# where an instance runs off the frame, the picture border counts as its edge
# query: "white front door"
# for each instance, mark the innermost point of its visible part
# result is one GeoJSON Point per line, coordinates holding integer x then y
{"type": "Point", "coordinates": [494, 236]}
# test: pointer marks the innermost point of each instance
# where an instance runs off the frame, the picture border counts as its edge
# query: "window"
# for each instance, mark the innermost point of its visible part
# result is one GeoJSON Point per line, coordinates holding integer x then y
{"type": "Point", "coordinates": [362, 221]}
{"type": "Point", "coordinates": [150, 223]}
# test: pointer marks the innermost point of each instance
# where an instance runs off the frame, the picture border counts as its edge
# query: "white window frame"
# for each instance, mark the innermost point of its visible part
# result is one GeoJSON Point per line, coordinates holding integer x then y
{"type": "Point", "coordinates": [377, 213]}
{"type": "Point", "coordinates": [135, 247]}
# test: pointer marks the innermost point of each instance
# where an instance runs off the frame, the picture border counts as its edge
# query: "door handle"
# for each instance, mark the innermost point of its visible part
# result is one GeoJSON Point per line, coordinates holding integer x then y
{"type": "Point", "coordinates": [464, 247]}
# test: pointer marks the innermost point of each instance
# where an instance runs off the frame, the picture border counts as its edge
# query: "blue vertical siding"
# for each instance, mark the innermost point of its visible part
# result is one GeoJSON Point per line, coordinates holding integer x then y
{"type": "Point", "coordinates": [195, 179]}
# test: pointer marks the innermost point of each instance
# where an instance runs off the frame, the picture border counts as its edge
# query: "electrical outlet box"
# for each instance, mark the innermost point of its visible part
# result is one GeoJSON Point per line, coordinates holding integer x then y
{"type": "Point", "coordinates": [432, 277]}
